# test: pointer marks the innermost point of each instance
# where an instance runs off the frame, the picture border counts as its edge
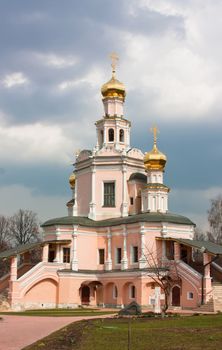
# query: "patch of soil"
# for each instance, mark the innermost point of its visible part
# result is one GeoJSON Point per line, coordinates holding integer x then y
{"type": "Point", "coordinates": [66, 338]}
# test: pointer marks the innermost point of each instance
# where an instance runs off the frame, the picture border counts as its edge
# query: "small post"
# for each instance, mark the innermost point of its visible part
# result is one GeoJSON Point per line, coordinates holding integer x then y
{"type": "Point", "coordinates": [129, 334]}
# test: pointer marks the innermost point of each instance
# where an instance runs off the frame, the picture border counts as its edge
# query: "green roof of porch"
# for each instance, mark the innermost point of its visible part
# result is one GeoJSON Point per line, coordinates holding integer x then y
{"type": "Point", "coordinates": [204, 246]}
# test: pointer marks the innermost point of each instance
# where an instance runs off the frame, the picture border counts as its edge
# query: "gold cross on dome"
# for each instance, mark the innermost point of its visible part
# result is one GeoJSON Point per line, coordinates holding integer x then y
{"type": "Point", "coordinates": [114, 58]}
{"type": "Point", "coordinates": [155, 131]}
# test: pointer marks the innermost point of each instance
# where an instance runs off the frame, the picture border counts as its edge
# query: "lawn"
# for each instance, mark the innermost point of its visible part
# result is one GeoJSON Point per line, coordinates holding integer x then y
{"type": "Point", "coordinates": [60, 312]}
{"type": "Point", "coordinates": [175, 333]}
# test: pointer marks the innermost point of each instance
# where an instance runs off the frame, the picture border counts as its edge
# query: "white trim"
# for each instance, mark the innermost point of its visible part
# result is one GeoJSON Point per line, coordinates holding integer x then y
{"type": "Point", "coordinates": [188, 296]}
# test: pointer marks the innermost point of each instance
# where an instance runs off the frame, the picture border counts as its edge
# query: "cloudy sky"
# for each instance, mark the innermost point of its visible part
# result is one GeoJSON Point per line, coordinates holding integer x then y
{"type": "Point", "coordinates": [54, 59]}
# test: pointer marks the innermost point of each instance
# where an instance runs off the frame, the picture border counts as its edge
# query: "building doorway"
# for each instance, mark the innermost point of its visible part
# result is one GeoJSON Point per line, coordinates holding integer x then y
{"type": "Point", "coordinates": [85, 295]}
{"type": "Point", "coordinates": [176, 296]}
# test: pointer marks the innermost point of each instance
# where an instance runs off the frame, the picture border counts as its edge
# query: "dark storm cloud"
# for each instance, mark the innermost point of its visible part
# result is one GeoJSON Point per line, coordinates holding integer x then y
{"type": "Point", "coordinates": [193, 150]}
{"type": "Point", "coordinates": [42, 180]}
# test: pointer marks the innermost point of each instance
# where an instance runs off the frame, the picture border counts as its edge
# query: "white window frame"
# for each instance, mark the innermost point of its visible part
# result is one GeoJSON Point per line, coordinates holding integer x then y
{"type": "Point", "coordinates": [62, 254]}
{"type": "Point", "coordinates": [188, 295]}
{"type": "Point", "coordinates": [102, 202]}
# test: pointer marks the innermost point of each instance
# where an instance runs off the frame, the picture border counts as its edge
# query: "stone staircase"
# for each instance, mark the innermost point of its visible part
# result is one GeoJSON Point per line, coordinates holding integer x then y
{"type": "Point", "coordinates": [4, 303]}
{"type": "Point", "coordinates": [217, 296]}
{"type": "Point", "coordinates": [208, 307]}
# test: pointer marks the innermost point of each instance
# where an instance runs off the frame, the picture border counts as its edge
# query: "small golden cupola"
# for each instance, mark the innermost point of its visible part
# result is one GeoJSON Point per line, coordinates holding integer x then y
{"type": "Point", "coordinates": [113, 88]}
{"type": "Point", "coordinates": [155, 160]}
{"type": "Point", "coordinates": [72, 181]}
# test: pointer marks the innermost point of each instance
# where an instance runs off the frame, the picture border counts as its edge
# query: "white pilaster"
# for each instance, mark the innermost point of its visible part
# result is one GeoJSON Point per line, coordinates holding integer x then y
{"type": "Point", "coordinates": [124, 261]}
{"type": "Point", "coordinates": [108, 262]}
{"type": "Point", "coordinates": [142, 260]}
{"type": "Point", "coordinates": [92, 205]}
{"type": "Point", "coordinates": [45, 253]}
{"type": "Point", "coordinates": [74, 248]}
{"type": "Point", "coordinates": [105, 135]}
{"type": "Point", "coordinates": [13, 268]}
{"type": "Point", "coordinates": [97, 140]}
{"type": "Point", "coordinates": [124, 191]}
{"type": "Point", "coordinates": [57, 254]}
{"type": "Point", "coordinates": [75, 207]}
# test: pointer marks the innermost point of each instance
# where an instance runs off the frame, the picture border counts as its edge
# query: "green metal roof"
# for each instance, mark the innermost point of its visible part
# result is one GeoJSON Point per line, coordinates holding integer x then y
{"type": "Point", "coordinates": [26, 247]}
{"type": "Point", "coordinates": [138, 176]}
{"type": "Point", "coordinates": [19, 249]}
{"type": "Point", "coordinates": [204, 246]}
{"type": "Point", "coordinates": [145, 217]}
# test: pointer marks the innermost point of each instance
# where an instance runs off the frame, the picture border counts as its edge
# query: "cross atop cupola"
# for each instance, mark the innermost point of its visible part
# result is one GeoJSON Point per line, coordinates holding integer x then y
{"type": "Point", "coordinates": [113, 130]}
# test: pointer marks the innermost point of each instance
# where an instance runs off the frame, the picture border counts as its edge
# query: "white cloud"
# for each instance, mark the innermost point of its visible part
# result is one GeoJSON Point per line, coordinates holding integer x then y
{"type": "Point", "coordinates": [41, 142]}
{"type": "Point", "coordinates": [33, 143]}
{"type": "Point", "coordinates": [54, 60]}
{"type": "Point", "coordinates": [181, 68]}
{"type": "Point", "coordinates": [93, 79]}
{"type": "Point", "coordinates": [14, 79]}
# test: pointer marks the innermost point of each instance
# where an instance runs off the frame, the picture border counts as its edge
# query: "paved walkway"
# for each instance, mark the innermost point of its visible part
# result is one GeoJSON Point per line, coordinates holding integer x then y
{"type": "Point", "coordinates": [16, 332]}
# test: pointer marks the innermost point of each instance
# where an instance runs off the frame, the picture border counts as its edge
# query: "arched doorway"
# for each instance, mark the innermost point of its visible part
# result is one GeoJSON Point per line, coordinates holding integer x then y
{"type": "Point", "coordinates": [85, 295]}
{"type": "Point", "coordinates": [176, 296]}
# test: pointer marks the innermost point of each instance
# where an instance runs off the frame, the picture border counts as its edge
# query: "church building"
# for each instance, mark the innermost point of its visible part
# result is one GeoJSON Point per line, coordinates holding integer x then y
{"type": "Point", "coordinates": [119, 241]}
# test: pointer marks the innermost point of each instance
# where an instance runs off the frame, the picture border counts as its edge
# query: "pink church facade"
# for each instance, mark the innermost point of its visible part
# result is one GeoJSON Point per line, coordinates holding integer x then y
{"type": "Point", "coordinates": [118, 234]}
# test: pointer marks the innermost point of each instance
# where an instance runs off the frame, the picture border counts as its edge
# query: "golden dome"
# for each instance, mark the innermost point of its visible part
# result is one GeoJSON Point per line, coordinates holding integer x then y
{"type": "Point", "coordinates": [72, 180]}
{"type": "Point", "coordinates": [155, 160]}
{"type": "Point", "coordinates": [113, 88]}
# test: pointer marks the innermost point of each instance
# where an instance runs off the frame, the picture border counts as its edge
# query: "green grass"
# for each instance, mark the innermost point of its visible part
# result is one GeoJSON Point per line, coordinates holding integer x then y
{"type": "Point", "coordinates": [180, 333]}
{"type": "Point", "coordinates": [60, 312]}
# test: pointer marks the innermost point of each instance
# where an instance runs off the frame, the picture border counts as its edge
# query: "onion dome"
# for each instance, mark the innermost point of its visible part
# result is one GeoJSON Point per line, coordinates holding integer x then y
{"type": "Point", "coordinates": [72, 180]}
{"type": "Point", "coordinates": [155, 160]}
{"type": "Point", "coordinates": [113, 88]}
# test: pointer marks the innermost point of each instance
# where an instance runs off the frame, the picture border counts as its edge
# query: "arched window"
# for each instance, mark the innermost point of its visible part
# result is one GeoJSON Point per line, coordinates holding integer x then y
{"type": "Point", "coordinates": [115, 292]}
{"type": "Point", "coordinates": [121, 135]}
{"type": "Point", "coordinates": [132, 291]}
{"type": "Point", "coordinates": [111, 135]}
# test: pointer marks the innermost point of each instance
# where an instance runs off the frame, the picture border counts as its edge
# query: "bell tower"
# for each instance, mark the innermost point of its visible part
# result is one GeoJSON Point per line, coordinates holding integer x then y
{"type": "Point", "coordinates": [155, 193]}
{"type": "Point", "coordinates": [113, 130]}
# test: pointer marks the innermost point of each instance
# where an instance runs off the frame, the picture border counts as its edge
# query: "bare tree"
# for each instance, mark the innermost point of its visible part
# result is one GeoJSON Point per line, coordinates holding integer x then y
{"type": "Point", "coordinates": [24, 227]}
{"type": "Point", "coordinates": [4, 233]}
{"type": "Point", "coordinates": [163, 274]}
{"type": "Point", "coordinates": [215, 220]}
{"type": "Point", "coordinates": [200, 235]}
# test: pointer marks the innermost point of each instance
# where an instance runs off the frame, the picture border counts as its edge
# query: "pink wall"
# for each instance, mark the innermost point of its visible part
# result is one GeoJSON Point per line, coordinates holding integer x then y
{"type": "Point", "coordinates": [84, 193]}
{"type": "Point", "coordinates": [101, 177]}
{"type": "Point", "coordinates": [87, 251]}
{"type": "Point", "coordinates": [44, 291]}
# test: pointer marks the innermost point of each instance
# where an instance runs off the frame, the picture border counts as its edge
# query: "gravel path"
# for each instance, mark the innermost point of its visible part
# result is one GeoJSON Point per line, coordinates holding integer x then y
{"type": "Point", "coordinates": [16, 332]}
